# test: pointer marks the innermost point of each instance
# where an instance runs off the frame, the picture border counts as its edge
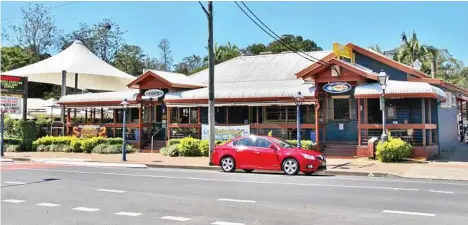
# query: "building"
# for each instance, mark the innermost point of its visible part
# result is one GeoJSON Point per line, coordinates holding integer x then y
{"type": "Point", "coordinates": [340, 111]}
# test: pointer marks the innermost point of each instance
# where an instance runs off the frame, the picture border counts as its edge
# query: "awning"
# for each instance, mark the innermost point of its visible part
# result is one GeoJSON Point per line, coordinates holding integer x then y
{"type": "Point", "coordinates": [399, 89]}
{"type": "Point", "coordinates": [101, 98]}
{"type": "Point", "coordinates": [188, 105]}
{"type": "Point", "coordinates": [248, 90]}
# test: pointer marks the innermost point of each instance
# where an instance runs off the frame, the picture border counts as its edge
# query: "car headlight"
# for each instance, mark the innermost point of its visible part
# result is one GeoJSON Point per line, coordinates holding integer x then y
{"type": "Point", "coordinates": [311, 157]}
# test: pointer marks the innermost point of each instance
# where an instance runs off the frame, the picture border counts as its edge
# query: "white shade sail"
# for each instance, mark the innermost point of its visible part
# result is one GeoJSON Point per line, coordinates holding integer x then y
{"type": "Point", "coordinates": [93, 73]}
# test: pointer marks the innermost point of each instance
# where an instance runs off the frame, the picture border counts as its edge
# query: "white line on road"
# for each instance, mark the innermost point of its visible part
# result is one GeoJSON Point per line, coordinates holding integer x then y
{"type": "Point", "coordinates": [443, 192]}
{"type": "Point", "coordinates": [109, 190]}
{"type": "Point", "coordinates": [175, 218]}
{"type": "Point", "coordinates": [13, 201]}
{"type": "Point", "coordinates": [13, 182]}
{"type": "Point", "coordinates": [409, 213]}
{"type": "Point", "coordinates": [48, 204]}
{"type": "Point", "coordinates": [226, 223]}
{"type": "Point", "coordinates": [85, 209]}
{"type": "Point", "coordinates": [225, 180]}
{"type": "Point", "coordinates": [236, 200]}
{"type": "Point", "coordinates": [127, 214]}
{"type": "Point", "coordinates": [406, 189]}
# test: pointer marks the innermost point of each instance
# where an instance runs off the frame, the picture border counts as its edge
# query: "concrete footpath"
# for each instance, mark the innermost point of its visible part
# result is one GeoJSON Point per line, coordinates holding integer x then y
{"type": "Point", "coordinates": [442, 169]}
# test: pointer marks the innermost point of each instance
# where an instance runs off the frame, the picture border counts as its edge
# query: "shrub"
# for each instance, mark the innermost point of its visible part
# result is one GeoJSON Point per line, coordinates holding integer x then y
{"type": "Point", "coordinates": [113, 141]}
{"type": "Point", "coordinates": [76, 145]}
{"type": "Point", "coordinates": [106, 148]}
{"type": "Point", "coordinates": [171, 151]}
{"type": "Point", "coordinates": [42, 148]}
{"type": "Point", "coordinates": [88, 144]}
{"type": "Point", "coordinates": [305, 144]}
{"type": "Point", "coordinates": [12, 148]}
{"type": "Point", "coordinates": [393, 150]}
{"type": "Point", "coordinates": [204, 147]}
{"type": "Point", "coordinates": [173, 141]}
{"type": "Point", "coordinates": [189, 147]}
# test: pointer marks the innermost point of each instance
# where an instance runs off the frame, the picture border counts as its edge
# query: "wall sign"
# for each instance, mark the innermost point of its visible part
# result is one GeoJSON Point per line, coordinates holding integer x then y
{"type": "Point", "coordinates": [88, 131]}
{"type": "Point", "coordinates": [225, 132]}
{"type": "Point", "coordinates": [337, 87]}
{"type": "Point", "coordinates": [12, 104]}
{"type": "Point", "coordinates": [154, 93]}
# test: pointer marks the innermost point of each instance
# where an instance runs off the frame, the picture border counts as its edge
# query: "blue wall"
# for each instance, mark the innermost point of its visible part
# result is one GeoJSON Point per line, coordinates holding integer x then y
{"type": "Point", "coordinates": [377, 66]}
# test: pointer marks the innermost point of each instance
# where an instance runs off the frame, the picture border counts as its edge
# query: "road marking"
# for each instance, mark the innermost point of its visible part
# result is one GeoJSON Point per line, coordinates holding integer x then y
{"type": "Point", "coordinates": [109, 190]}
{"type": "Point", "coordinates": [409, 213]}
{"type": "Point", "coordinates": [127, 214]}
{"type": "Point", "coordinates": [175, 218]}
{"type": "Point", "coordinates": [85, 209]}
{"type": "Point", "coordinates": [226, 223]}
{"type": "Point", "coordinates": [13, 182]}
{"type": "Point", "coordinates": [16, 201]}
{"type": "Point", "coordinates": [48, 204]}
{"type": "Point", "coordinates": [406, 189]}
{"type": "Point", "coordinates": [236, 200]}
{"type": "Point", "coordinates": [226, 180]}
{"type": "Point", "coordinates": [443, 192]}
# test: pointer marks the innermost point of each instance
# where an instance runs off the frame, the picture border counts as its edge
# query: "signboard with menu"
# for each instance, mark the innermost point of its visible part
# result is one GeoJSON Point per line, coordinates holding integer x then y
{"type": "Point", "coordinates": [12, 104]}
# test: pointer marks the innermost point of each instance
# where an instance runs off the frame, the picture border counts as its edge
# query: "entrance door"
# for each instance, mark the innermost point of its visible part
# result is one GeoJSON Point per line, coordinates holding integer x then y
{"type": "Point", "coordinates": [341, 123]}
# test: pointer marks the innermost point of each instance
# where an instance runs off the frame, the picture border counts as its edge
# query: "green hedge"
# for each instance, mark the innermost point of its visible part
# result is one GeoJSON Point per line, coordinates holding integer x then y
{"type": "Point", "coordinates": [87, 145]}
{"type": "Point", "coordinates": [305, 144]}
{"type": "Point", "coordinates": [393, 150]}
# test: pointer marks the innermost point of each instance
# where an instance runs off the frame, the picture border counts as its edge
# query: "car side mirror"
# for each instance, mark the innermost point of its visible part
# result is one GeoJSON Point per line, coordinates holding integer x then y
{"type": "Point", "coordinates": [273, 147]}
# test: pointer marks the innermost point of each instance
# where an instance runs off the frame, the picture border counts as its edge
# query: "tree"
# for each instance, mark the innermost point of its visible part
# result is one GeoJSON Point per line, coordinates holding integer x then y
{"type": "Point", "coordinates": [411, 50]}
{"type": "Point", "coordinates": [166, 54]}
{"type": "Point", "coordinates": [152, 64]}
{"type": "Point", "coordinates": [15, 57]}
{"type": "Point", "coordinates": [256, 49]}
{"type": "Point", "coordinates": [376, 48]}
{"type": "Point", "coordinates": [36, 33]}
{"type": "Point", "coordinates": [223, 53]}
{"type": "Point", "coordinates": [130, 59]}
{"type": "Point", "coordinates": [189, 64]}
{"type": "Point", "coordinates": [104, 38]}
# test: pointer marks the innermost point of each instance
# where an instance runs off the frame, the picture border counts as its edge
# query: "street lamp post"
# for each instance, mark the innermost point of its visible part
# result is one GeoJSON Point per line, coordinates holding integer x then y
{"type": "Point", "coordinates": [298, 100]}
{"type": "Point", "coordinates": [383, 80]}
{"type": "Point", "coordinates": [2, 128]}
{"type": "Point", "coordinates": [124, 136]}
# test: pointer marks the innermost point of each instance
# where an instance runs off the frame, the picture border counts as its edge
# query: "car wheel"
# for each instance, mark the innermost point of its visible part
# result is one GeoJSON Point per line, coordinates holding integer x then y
{"type": "Point", "coordinates": [248, 170]}
{"type": "Point", "coordinates": [228, 164]}
{"type": "Point", "coordinates": [290, 166]}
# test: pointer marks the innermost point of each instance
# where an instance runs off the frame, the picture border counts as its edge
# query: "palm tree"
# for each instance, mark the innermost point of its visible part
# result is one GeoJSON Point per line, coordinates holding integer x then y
{"type": "Point", "coordinates": [411, 50]}
{"type": "Point", "coordinates": [224, 52]}
{"type": "Point", "coordinates": [376, 48]}
{"type": "Point", "coordinates": [433, 53]}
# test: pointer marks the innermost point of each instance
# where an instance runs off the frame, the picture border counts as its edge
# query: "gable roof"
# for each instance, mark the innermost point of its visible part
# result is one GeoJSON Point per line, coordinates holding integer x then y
{"type": "Point", "coordinates": [269, 67]}
{"type": "Point", "coordinates": [171, 79]}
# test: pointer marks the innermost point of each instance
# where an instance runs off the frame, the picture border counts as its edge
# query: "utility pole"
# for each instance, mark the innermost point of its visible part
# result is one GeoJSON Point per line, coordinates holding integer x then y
{"type": "Point", "coordinates": [211, 103]}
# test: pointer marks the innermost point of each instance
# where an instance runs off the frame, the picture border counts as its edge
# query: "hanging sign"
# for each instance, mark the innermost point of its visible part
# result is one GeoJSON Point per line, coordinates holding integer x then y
{"type": "Point", "coordinates": [337, 87]}
{"type": "Point", "coordinates": [154, 93]}
{"type": "Point", "coordinates": [225, 132]}
{"type": "Point", "coordinates": [382, 103]}
{"type": "Point", "coordinates": [12, 85]}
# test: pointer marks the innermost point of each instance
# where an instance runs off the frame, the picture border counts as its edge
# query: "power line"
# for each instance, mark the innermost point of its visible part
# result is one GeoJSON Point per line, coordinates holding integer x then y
{"type": "Point", "coordinates": [278, 38]}
{"type": "Point", "coordinates": [57, 6]}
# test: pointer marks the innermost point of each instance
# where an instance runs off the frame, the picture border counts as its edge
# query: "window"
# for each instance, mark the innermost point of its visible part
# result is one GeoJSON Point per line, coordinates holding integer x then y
{"type": "Point", "coordinates": [341, 109]}
{"type": "Point", "coordinates": [262, 143]}
{"type": "Point", "coordinates": [244, 142]}
{"type": "Point", "coordinates": [184, 115]}
{"type": "Point", "coordinates": [280, 113]}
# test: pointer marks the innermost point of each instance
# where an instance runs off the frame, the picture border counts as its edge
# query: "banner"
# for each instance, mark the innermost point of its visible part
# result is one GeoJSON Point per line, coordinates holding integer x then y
{"type": "Point", "coordinates": [225, 133]}
{"type": "Point", "coordinates": [12, 84]}
{"type": "Point", "coordinates": [12, 104]}
{"type": "Point", "coordinates": [87, 131]}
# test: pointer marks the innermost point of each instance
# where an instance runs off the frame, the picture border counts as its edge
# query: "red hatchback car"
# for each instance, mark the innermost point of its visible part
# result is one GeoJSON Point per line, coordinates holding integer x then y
{"type": "Point", "coordinates": [266, 153]}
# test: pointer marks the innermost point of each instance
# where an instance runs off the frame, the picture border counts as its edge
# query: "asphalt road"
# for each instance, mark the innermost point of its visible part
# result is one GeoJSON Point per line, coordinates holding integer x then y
{"type": "Point", "coordinates": [85, 195]}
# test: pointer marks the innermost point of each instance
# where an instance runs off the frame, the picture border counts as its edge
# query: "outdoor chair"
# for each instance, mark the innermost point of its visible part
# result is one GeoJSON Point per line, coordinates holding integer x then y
{"type": "Point", "coordinates": [409, 137]}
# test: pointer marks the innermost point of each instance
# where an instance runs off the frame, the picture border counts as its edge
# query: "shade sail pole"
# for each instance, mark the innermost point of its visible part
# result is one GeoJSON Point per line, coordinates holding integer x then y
{"type": "Point", "coordinates": [64, 92]}
{"type": "Point", "coordinates": [75, 92]}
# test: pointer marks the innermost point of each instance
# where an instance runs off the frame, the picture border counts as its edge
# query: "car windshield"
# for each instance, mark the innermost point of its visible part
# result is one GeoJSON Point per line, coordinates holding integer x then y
{"type": "Point", "coordinates": [282, 142]}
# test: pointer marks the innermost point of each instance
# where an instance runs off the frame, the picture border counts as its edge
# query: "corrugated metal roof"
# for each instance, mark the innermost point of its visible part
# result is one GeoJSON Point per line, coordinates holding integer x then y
{"type": "Point", "coordinates": [279, 88]}
{"type": "Point", "coordinates": [175, 78]}
{"type": "Point", "coordinates": [100, 97]}
{"type": "Point", "coordinates": [399, 87]}
{"type": "Point", "coordinates": [271, 67]}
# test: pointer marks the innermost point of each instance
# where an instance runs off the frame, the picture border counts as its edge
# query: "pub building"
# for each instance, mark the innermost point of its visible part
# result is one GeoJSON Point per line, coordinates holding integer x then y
{"type": "Point", "coordinates": [340, 112]}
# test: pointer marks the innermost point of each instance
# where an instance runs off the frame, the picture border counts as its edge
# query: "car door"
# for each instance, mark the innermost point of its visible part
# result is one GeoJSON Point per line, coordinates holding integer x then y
{"type": "Point", "coordinates": [244, 152]}
{"type": "Point", "coordinates": [265, 157]}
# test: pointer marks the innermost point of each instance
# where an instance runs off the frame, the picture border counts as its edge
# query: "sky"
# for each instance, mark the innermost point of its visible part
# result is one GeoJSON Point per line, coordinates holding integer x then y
{"type": "Point", "coordinates": [440, 24]}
